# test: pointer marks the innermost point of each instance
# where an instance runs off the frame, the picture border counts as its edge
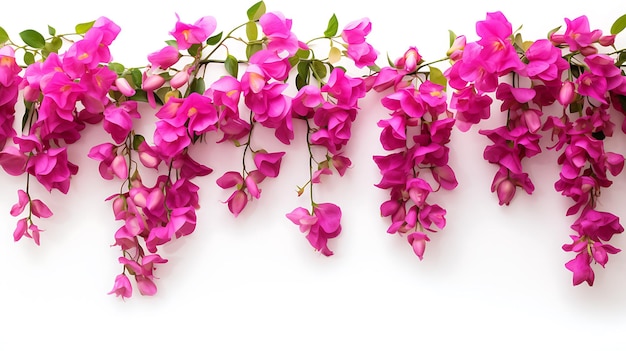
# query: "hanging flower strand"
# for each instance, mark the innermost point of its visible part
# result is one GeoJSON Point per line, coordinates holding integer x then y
{"type": "Point", "coordinates": [585, 94]}
{"type": "Point", "coordinates": [62, 93]}
{"type": "Point", "coordinates": [418, 133]}
{"type": "Point", "coordinates": [329, 107]}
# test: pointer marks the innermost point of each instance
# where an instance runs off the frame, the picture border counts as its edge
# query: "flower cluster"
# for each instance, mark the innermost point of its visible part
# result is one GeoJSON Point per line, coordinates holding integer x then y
{"type": "Point", "coordinates": [62, 93]}
{"type": "Point", "coordinates": [417, 132]}
{"type": "Point", "coordinates": [69, 81]}
{"type": "Point", "coordinates": [568, 71]}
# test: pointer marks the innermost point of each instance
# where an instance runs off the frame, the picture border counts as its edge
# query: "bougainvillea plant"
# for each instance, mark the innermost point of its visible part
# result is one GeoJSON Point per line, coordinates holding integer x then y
{"type": "Point", "coordinates": [69, 82]}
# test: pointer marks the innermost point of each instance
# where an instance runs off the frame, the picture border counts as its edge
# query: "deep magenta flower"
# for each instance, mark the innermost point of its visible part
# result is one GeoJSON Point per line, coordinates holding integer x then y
{"type": "Point", "coordinates": [581, 267]}
{"type": "Point", "coordinates": [268, 163]}
{"type": "Point", "coordinates": [322, 225]}
{"type": "Point", "coordinates": [118, 119]}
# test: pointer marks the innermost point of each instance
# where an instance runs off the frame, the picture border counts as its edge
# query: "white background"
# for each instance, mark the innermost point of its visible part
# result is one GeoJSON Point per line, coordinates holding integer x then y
{"type": "Point", "coordinates": [493, 279]}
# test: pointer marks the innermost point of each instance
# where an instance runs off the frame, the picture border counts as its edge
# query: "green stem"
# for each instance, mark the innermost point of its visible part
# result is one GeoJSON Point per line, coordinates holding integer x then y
{"type": "Point", "coordinates": [311, 160]}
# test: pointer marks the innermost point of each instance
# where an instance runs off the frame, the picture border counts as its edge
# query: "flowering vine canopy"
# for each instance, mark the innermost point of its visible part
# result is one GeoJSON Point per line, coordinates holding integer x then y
{"type": "Point", "coordinates": [564, 93]}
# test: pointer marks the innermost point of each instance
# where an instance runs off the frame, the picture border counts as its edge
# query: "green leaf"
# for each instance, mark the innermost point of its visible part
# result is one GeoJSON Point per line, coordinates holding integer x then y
{"type": "Point", "coordinates": [54, 45]}
{"type": "Point", "coordinates": [137, 140]}
{"type": "Point", "coordinates": [391, 63]}
{"type": "Point", "coordinates": [621, 59]}
{"type": "Point", "coordinates": [172, 43]}
{"type": "Point", "coordinates": [256, 11]}
{"type": "Point", "coordinates": [193, 50]}
{"type": "Point", "coordinates": [319, 69]}
{"type": "Point", "coordinates": [553, 31]}
{"type": "Point", "coordinates": [26, 116]}
{"type": "Point", "coordinates": [29, 58]}
{"type": "Point", "coordinates": [82, 28]}
{"type": "Point", "coordinates": [214, 39]}
{"type": "Point", "coordinates": [33, 38]}
{"type": "Point", "coordinates": [140, 95]}
{"type": "Point", "coordinates": [303, 69]}
{"type": "Point", "coordinates": [198, 86]}
{"type": "Point", "coordinates": [52, 31]}
{"type": "Point", "coordinates": [619, 25]}
{"type": "Point", "coordinates": [4, 37]}
{"type": "Point", "coordinates": [452, 37]}
{"type": "Point", "coordinates": [333, 26]}
{"type": "Point", "coordinates": [252, 31]}
{"type": "Point", "coordinates": [136, 77]}
{"type": "Point", "coordinates": [303, 54]}
{"type": "Point", "coordinates": [300, 82]}
{"type": "Point", "coordinates": [437, 77]}
{"type": "Point", "coordinates": [231, 65]}
{"type": "Point", "coordinates": [117, 68]}
{"type": "Point", "coordinates": [251, 49]}
{"type": "Point", "coordinates": [293, 60]}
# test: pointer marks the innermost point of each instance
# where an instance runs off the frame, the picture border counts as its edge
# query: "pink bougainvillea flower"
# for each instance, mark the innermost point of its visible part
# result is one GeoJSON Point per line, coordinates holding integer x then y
{"type": "Point", "coordinates": [189, 34]}
{"type": "Point", "coordinates": [409, 61]}
{"type": "Point", "coordinates": [229, 180]}
{"type": "Point", "coordinates": [341, 164]}
{"type": "Point", "coordinates": [418, 241]}
{"type": "Point", "coordinates": [237, 202]}
{"type": "Point", "coordinates": [545, 61]}
{"type": "Point", "coordinates": [268, 163]}
{"type": "Point", "coordinates": [22, 200]}
{"type": "Point", "coordinates": [39, 209]}
{"type": "Point", "coordinates": [363, 54]}
{"type": "Point", "coordinates": [201, 113]}
{"type": "Point", "coordinates": [322, 225]}
{"type": "Point", "coordinates": [122, 287]}
{"type": "Point", "coordinates": [581, 267]}
{"type": "Point", "coordinates": [21, 229]}
{"type": "Point", "coordinates": [301, 217]}
{"type": "Point", "coordinates": [599, 226]}
{"type": "Point", "coordinates": [164, 58]}
{"type": "Point", "coordinates": [169, 139]}
{"type": "Point", "coordinates": [118, 119]}
{"type": "Point", "coordinates": [328, 226]}
{"type": "Point", "coordinates": [356, 31]}
{"type": "Point", "coordinates": [578, 34]}
{"type": "Point", "coordinates": [593, 86]}
{"type": "Point", "coordinates": [123, 86]}
{"type": "Point", "coordinates": [277, 29]}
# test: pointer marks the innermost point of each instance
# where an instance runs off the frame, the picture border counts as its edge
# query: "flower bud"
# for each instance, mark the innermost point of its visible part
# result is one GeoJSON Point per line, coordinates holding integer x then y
{"type": "Point", "coordinates": [124, 87]}
{"type": "Point", "coordinates": [607, 40]}
{"type": "Point", "coordinates": [567, 95]}
{"type": "Point", "coordinates": [506, 191]}
{"type": "Point", "coordinates": [456, 50]}
{"type": "Point", "coordinates": [589, 50]}
{"type": "Point", "coordinates": [152, 83]}
{"type": "Point", "coordinates": [418, 242]}
{"type": "Point", "coordinates": [181, 78]}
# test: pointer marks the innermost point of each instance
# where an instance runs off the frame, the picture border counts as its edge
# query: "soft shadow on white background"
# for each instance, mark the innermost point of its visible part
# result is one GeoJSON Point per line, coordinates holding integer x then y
{"type": "Point", "coordinates": [493, 279]}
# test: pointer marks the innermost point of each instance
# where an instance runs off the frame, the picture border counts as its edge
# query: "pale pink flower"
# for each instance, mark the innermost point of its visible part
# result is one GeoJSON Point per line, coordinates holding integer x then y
{"type": "Point", "coordinates": [122, 287]}
{"type": "Point", "coordinates": [189, 34]}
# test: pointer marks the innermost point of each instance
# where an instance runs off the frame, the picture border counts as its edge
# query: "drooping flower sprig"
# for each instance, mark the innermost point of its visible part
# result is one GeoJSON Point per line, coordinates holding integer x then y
{"type": "Point", "coordinates": [418, 133]}
{"type": "Point", "coordinates": [62, 92]}
{"type": "Point", "coordinates": [568, 70]}
{"type": "Point", "coordinates": [328, 104]}
{"type": "Point", "coordinates": [233, 106]}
